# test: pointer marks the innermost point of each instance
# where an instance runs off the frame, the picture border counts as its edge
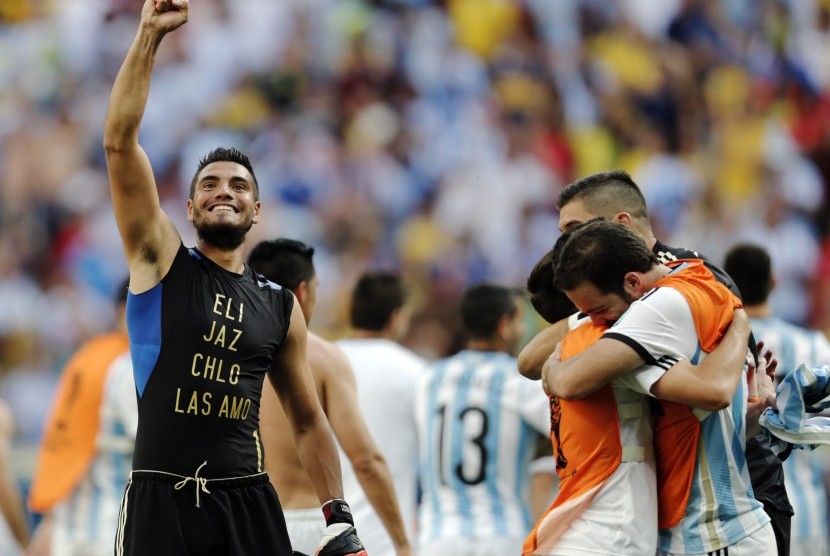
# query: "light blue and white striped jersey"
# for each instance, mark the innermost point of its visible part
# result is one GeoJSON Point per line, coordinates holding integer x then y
{"type": "Point", "coordinates": [792, 346]}
{"type": "Point", "coordinates": [722, 509]}
{"type": "Point", "coordinates": [478, 420]}
{"type": "Point", "coordinates": [85, 522]}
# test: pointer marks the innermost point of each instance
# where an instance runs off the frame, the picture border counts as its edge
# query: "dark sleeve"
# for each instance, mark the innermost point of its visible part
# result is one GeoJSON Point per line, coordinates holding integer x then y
{"type": "Point", "coordinates": [285, 304]}
{"type": "Point", "coordinates": [722, 277]}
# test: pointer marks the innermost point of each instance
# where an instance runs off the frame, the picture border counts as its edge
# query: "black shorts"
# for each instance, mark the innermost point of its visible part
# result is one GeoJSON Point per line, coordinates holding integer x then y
{"type": "Point", "coordinates": [234, 517]}
{"type": "Point", "coordinates": [781, 523]}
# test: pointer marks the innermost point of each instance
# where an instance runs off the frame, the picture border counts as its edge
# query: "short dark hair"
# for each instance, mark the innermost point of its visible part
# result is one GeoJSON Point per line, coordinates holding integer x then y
{"type": "Point", "coordinates": [375, 297]}
{"type": "Point", "coordinates": [602, 253]}
{"type": "Point", "coordinates": [549, 301]}
{"type": "Point", "coordinates": [483, 306]}
{"type": "Point", "coordinates": [224, 154]}
{"type": "Point", "coordinates": [750, 266]}
{"type": "Point", "coordinates": [605, 194]}
{"type": "Point", "coordinates": [284, 261]}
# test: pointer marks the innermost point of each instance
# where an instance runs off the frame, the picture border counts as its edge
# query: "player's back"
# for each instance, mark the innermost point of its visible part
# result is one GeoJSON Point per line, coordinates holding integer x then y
{"type": "Point", "coordinates": [476, 416]}
{"type": "Point", "coordinates": [386, 375]}
{"type": "Point", "coordinates": [282, 463]}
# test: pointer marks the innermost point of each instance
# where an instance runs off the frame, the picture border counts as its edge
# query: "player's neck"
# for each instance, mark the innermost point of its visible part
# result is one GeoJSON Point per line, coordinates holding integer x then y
{"type": "Point", "coordinates": [231, 260]}
{"type": "Point", "coordinates": [651, 277]}
{"type": "Point", "coordinates": [759, 311]}
{"type": "Point", "coordinates": [486, 345]}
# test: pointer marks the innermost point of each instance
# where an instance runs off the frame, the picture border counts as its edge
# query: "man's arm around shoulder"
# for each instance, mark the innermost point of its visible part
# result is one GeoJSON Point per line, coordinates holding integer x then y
{"type": "Point", "coordinates": [584, 374]}
{"type": "Point", "coordinates": [533, 356]}
{"type": "Point", "coordinates": [712, 383]}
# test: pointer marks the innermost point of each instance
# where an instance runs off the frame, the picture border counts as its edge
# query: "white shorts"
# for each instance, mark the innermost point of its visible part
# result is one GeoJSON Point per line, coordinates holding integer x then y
{"type": "Point", "coordinates": [622, 518]}
{"type": "Point", "coordinates": [305, 528]}
{"type": "Point", "coordinates": [472, 547]}
{"type": "Point", "coordinates": [759, 543]}
{"type": "Point", "coordinates": [60, 548]}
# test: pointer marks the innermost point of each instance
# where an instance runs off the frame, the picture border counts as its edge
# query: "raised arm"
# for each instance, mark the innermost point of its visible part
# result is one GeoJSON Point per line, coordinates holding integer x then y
{"type": "Point", "coordinates": [346, 419]}
{"type": "Point", "coordinates": [149, 237]}
{"type": "Point", "coordinates": [711, 384]}
{"type": "Point", "coordinates": [533, 356]}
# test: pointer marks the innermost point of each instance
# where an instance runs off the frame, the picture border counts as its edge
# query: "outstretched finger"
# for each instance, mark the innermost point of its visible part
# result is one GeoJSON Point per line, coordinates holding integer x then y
{"type": "Point", "coordinates": [771, 366]}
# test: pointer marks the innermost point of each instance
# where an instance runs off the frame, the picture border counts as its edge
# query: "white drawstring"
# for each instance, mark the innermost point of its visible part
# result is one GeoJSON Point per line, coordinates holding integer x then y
{"type": "Point", "coordinates": [201, 483]}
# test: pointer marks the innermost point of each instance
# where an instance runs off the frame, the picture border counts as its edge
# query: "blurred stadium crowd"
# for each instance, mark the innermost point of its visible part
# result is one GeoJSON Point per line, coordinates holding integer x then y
{"type": "Point", "coordinates": [426, 136]}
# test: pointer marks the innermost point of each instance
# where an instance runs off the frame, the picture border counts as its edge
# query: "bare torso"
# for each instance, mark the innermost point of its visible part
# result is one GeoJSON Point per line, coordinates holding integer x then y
{"type": "Point", "coordinates": [287, 474]}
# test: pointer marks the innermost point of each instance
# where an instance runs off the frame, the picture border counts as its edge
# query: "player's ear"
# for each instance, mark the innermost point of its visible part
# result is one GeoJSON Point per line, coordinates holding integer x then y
{"type": "Point", "coordinates": [633, 284]}
{"type": "Point", "coordinates": [623, 218]}
{"type": "Point", "coordinates": [257, 208]}
{"type": "Point", "coordinates": [503, 326]}
{"type": "Point", "coordinates": [301, 292]}
{"type": "Point", "coordinates": [399, 322]}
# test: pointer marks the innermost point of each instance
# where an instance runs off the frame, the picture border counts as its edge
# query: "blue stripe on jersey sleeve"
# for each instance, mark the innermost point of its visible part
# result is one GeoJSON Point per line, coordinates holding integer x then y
{"type": "Point", "coordinates": [144, 327]}
{"type": "Point", "coordinates": [696, 357]}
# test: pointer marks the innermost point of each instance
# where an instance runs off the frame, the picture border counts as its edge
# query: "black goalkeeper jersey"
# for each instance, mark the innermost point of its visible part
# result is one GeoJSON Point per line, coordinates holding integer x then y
{"type": "Point", "coordinates": [201, 342]}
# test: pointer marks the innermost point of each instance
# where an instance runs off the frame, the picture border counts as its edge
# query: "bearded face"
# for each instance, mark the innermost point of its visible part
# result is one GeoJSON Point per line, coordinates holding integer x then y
{"type": "Point", "coordinates": [224, 205]}
{"type": "Point", "coordinates": [225, 236]}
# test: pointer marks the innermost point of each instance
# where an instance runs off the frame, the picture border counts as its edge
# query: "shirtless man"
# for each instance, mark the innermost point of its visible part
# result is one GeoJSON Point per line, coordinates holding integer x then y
{"type": "Point", "coordinates": [288, 263]}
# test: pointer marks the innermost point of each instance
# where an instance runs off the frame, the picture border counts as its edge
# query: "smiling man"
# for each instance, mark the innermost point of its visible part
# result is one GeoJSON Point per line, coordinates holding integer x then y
{"type": "Point", "coordinates": [204, 331]}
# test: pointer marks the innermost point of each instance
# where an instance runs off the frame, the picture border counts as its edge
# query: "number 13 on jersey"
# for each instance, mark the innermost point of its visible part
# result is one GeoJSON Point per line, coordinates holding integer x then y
{"type": "Point", "coordinates": [460, 444]}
